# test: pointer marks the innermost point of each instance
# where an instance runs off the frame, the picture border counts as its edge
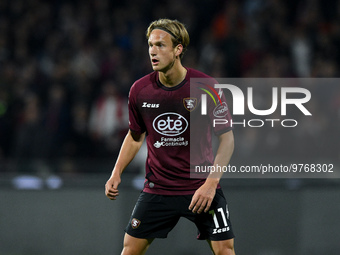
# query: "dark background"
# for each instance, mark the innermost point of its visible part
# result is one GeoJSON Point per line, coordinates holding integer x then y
{"type": "Point", "coordinates": [61, 62]}
{"type": "Point", "coordinates": [65, 72]}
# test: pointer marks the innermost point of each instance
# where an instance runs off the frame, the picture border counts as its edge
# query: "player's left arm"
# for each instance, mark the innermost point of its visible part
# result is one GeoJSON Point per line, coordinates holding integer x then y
{"type": "Point", "coordinates": [203, 197]}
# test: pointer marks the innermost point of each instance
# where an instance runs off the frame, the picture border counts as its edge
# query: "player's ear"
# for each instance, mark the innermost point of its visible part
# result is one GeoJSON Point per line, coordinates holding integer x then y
{"type": "Point", "coordinates": [179, 49]}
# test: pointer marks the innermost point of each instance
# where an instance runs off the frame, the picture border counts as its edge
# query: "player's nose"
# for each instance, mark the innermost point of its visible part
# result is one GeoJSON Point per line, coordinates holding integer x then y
{"type": "Point", "coordinates": [152, 50]}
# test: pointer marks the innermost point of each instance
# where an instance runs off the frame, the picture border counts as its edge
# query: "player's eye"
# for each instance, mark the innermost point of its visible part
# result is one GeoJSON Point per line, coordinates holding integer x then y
{"type": "Point", "coordinates": [160, 45]}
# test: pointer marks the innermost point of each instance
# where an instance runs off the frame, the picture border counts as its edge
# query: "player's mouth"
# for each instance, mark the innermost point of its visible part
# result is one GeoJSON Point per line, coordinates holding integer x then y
{"type": "Point", "coordinates": [155, 61]}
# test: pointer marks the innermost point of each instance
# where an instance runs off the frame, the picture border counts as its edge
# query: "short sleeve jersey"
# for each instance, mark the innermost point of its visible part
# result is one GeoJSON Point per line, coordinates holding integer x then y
{"type": "Point", "coordinates": [169, 117]}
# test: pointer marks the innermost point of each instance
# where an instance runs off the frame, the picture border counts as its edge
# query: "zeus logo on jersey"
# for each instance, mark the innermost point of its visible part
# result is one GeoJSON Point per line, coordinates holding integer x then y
{"type": "Point", "coordinates": [148, 105]}
{"type": "Point", "coordinates": [170, 124]}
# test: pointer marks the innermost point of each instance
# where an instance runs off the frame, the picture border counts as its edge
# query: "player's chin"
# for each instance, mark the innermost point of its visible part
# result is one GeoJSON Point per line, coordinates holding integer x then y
{"type": "Point", "coordinates": [156, 68]}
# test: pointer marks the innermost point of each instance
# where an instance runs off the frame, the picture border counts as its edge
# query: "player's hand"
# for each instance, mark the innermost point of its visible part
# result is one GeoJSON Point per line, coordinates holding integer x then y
{"type": "Point", "coordinates": [202, 199]}
{"type": "Point", "coordinates": [111, 187]}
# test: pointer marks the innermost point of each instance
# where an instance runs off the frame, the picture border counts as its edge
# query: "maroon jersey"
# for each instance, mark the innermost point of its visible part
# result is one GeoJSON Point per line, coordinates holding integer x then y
{"type": "Point", "coordinates": [169, 116]}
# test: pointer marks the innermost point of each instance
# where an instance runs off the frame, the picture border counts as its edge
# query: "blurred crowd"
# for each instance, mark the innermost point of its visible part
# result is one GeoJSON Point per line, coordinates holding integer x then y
{"type": "Point", "coordinates": [66, 68]}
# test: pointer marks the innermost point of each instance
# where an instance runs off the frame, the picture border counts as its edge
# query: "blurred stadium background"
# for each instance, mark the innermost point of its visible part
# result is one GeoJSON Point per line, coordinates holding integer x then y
{"type": "Point", "coordinates": [65, 72]}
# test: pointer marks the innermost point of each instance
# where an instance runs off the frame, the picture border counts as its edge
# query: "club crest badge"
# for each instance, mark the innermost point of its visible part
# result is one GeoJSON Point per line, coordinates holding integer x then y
{"type": "Point", "coordinates": [190, 103]}
{"type": "Point", "coordinates": [135, 223]}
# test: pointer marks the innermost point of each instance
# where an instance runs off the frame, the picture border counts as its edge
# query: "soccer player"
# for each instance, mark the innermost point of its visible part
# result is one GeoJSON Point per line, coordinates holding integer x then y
{"type": "Point", "coordinates": [160, 107]}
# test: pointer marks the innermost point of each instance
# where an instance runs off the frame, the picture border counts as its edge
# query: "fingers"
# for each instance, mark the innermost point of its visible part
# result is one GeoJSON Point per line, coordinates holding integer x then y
{"type": "Point", "coordinates": [202, 199]}
{"type": "Point", "coordinates": [192, 204]}
{"type": "Point", "coordinates": [111, 192]}
{"type": "Point", "coordinates": [111, 187]}
{"type": "Point", "coordinates": [200, 204]}
{"type": "Point", "coordinates": [207, 207]}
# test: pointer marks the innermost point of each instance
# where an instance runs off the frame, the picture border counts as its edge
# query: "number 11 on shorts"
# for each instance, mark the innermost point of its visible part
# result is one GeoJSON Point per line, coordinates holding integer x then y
{"type": "Point", "coordinates": [224, 217]}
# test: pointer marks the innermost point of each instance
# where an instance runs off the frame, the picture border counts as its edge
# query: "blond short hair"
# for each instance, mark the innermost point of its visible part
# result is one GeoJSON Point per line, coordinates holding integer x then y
{"type": "Point", "coordinates": [178, 32]}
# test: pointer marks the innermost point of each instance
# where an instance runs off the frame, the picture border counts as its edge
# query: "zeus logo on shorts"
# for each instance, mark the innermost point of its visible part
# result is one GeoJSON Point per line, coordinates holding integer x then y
{"type": "Point", "coordinates": [220, 230]}
{"type": "Point", "coordinates": [170, 124]}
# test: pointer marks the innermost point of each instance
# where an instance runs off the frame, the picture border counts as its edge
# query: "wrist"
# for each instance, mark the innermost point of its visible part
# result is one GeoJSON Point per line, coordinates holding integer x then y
{"type": "Point", "coordinates": [116, 173]}
{"type": "Point", "coordinates": [212, 181]}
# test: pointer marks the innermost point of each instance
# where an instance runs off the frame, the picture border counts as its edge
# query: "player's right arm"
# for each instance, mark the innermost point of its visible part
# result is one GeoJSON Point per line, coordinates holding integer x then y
{"type": "Point", "coordinates": [128, 151]}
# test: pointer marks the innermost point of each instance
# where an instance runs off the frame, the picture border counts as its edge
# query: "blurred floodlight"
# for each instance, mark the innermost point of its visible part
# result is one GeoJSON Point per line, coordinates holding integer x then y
{"type": "Point", "coordinates": [54, 182]}
{"type": "Point", "coordinates": [28, 182]}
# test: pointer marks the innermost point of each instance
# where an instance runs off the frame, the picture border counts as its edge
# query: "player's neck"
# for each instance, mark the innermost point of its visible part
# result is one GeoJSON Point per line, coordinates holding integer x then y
{"type": "Point", "coordinates": [173, 76]}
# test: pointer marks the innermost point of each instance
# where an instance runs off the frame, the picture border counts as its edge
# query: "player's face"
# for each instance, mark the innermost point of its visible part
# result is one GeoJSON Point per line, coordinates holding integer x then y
{"type": "Point", "coordinates": [161, 50]}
